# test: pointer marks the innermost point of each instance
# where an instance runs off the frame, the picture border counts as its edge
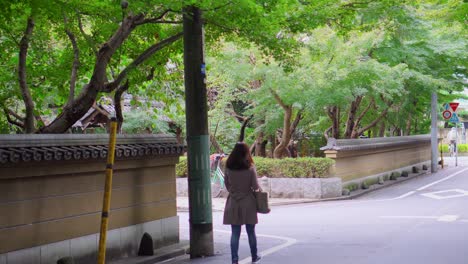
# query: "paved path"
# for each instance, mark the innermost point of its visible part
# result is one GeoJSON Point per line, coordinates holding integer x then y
{"type": "Point", "coordinates": [422, 220]}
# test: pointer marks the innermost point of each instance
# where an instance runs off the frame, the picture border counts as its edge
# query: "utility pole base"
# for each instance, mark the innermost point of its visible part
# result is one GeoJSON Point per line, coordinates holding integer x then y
{"type": "Point", "coordinates": [201, 242]}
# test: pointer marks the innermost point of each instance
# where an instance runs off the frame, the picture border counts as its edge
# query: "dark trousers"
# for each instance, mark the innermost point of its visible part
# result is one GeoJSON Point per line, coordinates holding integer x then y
{"type": "Point", "coordinates": [235, 235]}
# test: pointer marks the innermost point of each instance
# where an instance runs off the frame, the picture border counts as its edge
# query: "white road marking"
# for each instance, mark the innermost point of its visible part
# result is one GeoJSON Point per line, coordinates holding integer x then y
{"type": "Point", "coordinates": [288, 242]}
{"type": "Point", "coordinates": [448, 218]}
{"type": "Point", "coordinates": [437, 195]}
{"type": "Point", "coordinates": [402, 196]}
{"type": "Point", "coordinates": [424, 187]}
{"type": "Point", "coordinates": [442, 218]}
{"type": "Point", "coordinates": [441, 180]}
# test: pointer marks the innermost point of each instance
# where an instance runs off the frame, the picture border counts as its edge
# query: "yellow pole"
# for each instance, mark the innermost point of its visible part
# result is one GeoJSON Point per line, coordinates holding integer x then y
{"type": "Point", "coordinates": [107, 192]}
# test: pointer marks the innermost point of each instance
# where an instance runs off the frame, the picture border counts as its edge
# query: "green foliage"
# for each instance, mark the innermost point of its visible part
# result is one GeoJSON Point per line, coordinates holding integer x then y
{"type": "Point", "coordinates": [293, 167]}
{"type": "Point", "coordinates": [143, 121]}
{"type": "Point", "coordinates": [395, 175]}
{"type": "Point", "coordinates": [351, 186]}
{"type": "Point", "coordinates": [462, 148]}
{"type": "Point", "coordinates": [181, 167]}
{"type": "Point", "coordinates": [364, 185]}
{"type": "Point", "coordinates": [369, 182]}
{"type": "Point", "coordinates": [280, 168]}
{"type": "Point", "coordinates": [381, 180]}
{"type": "Point", "coordinates": [386, 177]}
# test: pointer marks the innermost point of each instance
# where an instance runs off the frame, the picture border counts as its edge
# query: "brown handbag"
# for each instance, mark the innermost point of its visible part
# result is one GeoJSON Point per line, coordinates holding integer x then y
{"type": "Point", "coordinates": [261, 198]}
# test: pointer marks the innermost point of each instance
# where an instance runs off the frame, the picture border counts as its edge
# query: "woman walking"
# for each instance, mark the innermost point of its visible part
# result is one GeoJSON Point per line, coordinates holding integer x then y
{"type": "Point", "coordinates": [241, 209]}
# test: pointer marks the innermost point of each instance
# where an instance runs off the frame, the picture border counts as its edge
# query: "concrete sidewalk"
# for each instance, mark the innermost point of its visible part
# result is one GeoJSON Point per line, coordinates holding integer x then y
{"type": "Point", "coordinates": [218, 203]}
{"type": "Point", "coordinates": [182, 248]}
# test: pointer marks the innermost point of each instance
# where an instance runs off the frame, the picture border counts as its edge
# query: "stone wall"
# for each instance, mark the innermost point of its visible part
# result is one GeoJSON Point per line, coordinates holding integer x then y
{"type": "Point", "coordinates": [51, 191]}
{"type": "Point", "coordinates": [309, 188]}
{"type": "Point", "coordinates": [359, 158]}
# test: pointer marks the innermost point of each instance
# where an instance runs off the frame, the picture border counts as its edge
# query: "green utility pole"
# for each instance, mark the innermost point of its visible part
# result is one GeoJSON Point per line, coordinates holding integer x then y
{"type": "Point", "coordinates": [434, 130]}
{"type": "Point", "coordinates": [196, 108]}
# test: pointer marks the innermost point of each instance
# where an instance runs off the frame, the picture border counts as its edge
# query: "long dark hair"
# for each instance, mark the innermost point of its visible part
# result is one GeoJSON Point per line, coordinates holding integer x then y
{"type": "Point", "coordinates": [240, 158]}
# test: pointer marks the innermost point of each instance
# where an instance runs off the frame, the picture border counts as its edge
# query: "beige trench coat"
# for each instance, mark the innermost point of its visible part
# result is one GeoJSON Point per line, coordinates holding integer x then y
{"type": "Point", "coordinates": [241, 207]}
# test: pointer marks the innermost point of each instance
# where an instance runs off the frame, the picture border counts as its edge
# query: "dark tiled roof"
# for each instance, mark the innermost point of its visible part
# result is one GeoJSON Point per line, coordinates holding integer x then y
{"type": "Point", "coordinates": [35, 148]}
{"type": "Point", "coordinates": [374, 143]}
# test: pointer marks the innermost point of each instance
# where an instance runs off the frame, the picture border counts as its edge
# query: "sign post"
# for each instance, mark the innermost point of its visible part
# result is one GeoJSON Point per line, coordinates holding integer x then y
{"type": "Point", "coordinates": [450, 115]}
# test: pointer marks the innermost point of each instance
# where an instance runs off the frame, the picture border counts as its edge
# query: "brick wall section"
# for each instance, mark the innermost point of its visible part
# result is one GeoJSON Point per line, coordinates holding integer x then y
{"type": "Point", "coordinates": [358, 158]}
{"type": "Point", "coordinates": [45, 199]}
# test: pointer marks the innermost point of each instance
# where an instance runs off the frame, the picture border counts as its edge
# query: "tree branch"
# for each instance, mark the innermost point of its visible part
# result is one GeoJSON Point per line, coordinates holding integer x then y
{"type": "Point", "coordinates": [279, 100]}
{"type": "Point", "coordinates": [88, 38]}
{"type": "Point", "coordinates": [29, 104]}
{"type": "Point", "coordinates": [10, 113]}
{"type": "Point", "coordinates": [108, 49]}
{"type": "Point", "coordinates": [75, 65]}
{"type": "Point", "coordinates": [373, 123]}
{"type": "Point", "coordinates": [218, 7]}
{"type": "Point", "coordinates": [296, 121]}
{"type": "Point", "coordinates": [143, 56]}
{"type": "Point", "coordinates": [158, 19]}
{"type": "Point", "coordinates": [326, 132]}
{"type": "Point", "coordinates": [118, 104]}
{"type": "Point", "coordinates": [363, 113]}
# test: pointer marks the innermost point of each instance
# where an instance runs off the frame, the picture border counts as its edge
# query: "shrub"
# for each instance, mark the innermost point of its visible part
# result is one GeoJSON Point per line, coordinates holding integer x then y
{"type": "Point", "coordinates": [424, 167]}
{"type": "Point", "coordinates": [293, 167]}
{"type": "Point", "coordinates": [462, 148]}
{"type": "Point", "coordinates": [404, 174]}
{"type": "Point", "coordinates": [415, 169]}
{"type": "Point", "coordinates": [181, 167]}
{"type": "Point", "coordinates": [386, 177]}
{"type": "Point", "coordinates": [369, 182]}
{"type": "Point", "coordinates": [444, 148]}
{"type": "Point", "coordinates": [345, 192]}
{"type": "Point", "coordinates": [395, 175]}
{"type": "Point", "coordinates": [279, 168]}
{"type": "Point", "coordinates": [381, 179]}
{"type": "Point", "coordinates": [364, 185]}
{"type": "Point", "coordinates": [351, 186]}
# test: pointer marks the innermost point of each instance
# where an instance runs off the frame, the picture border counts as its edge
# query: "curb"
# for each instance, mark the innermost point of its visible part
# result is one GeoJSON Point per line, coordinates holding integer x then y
{"type": "Point", "coordinates": [160, 254]}
{"type": "Point", "coordinates": [356, 194]}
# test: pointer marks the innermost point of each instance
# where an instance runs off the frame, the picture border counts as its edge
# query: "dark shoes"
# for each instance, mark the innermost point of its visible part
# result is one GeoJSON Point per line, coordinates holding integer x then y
{"type": "Point", "coordinates": [254, 260]}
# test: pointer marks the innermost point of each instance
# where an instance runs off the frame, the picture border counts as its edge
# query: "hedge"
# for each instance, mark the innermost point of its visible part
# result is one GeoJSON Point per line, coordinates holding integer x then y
{"type": "Point", "coordinates": [280, 168]}
{"type": "Point", "coordinates": [462, 148]}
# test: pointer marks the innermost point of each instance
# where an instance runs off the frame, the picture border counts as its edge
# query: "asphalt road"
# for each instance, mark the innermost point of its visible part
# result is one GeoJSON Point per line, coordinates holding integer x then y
{"type": "Point", "coordinates": [422, 220]}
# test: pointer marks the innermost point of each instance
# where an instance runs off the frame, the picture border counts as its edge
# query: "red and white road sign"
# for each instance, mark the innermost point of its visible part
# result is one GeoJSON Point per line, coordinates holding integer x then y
{"type": "Point", "coordinates": [447, 114]}
{"type": "Point", "coordinates": [454, 106]}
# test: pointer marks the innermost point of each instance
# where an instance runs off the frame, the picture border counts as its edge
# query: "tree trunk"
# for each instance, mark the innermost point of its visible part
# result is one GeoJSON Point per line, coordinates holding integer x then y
{"type": "Point", "coordinates": [408, 125]}
{"type": "Point", "coordinates": [280, 150]}
{"type": "Point", "coordinates": [215, 144]}
{"type": "Point", "coordinates": [334, 114]}
{"type": "Point", "coordinates": [258, 144]}
{"type": "Point", "coordinates": [382, 129]}
{"type": "Point", "coordinates": [350, 123]}
{"type": "Point", "coordinates": [273, 145]}
{"type": "Point", "coordinates": [29, 126]}
{"type": "Point", "coordinates": [262, 152]}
